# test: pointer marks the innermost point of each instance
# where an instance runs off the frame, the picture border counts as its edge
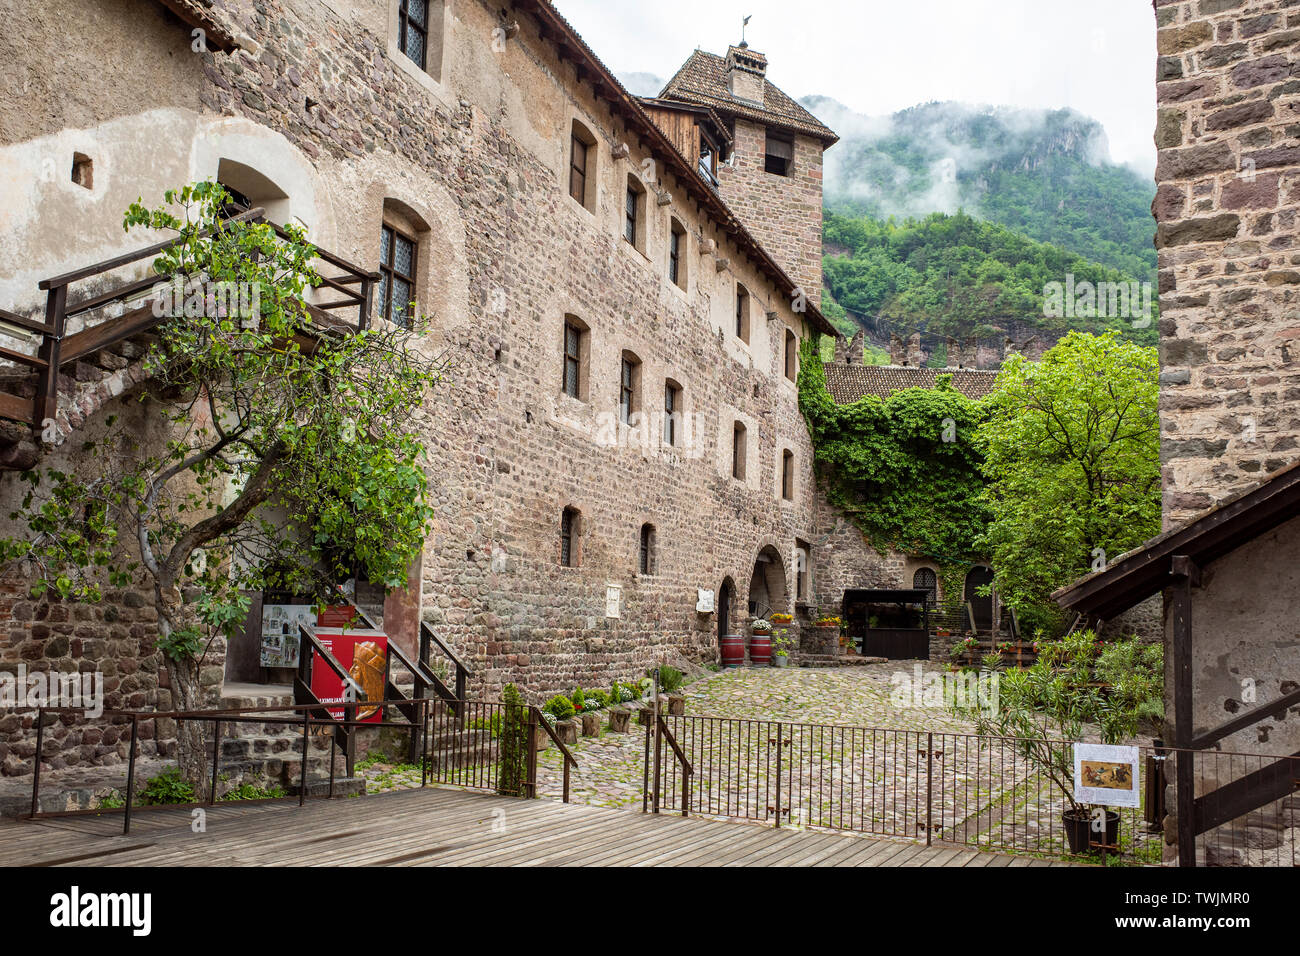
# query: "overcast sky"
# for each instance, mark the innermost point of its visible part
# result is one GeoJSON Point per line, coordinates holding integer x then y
{"type": "Point", "coordinates": [878, 56]}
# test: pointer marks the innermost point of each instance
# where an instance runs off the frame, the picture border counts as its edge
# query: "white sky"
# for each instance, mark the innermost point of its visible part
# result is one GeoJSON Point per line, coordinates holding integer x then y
{"type": "Point", "coordinates": [878, 56]}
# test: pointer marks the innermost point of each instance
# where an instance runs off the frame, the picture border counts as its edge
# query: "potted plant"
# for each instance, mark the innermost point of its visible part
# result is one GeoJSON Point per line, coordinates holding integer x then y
{"type": "Point", "coordinates": [781, 644]}
{"type": "Point", "coordinates": [761, 627]}
{"type": "Point", "coordinates": [1045, 707]}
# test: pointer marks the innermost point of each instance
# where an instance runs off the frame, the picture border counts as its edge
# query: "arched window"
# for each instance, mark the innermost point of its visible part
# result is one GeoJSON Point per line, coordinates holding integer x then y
{"type": "Point", "coordinates": [646, 552]}
{"type": "Point", "coordinates": [570, 538]}
{"type": "Point", "coordinates": [926, 580]}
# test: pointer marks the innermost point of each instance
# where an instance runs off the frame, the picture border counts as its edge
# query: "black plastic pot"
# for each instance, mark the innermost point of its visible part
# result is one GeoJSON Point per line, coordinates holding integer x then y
{"type": "Point", "coordinates": [1081, 836]}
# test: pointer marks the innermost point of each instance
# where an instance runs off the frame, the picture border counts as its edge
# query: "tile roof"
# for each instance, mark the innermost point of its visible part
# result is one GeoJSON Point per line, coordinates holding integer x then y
{"type": "Point", "coordinates": [703, 79]}
{"type": "Point", "coordinates": [849, 383]}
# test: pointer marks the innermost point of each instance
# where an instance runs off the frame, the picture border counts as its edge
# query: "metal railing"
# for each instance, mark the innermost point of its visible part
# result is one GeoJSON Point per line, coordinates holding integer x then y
{"type": "Point", "coordinates": [460, 746]}
{"type": "Point", "coordinates": [957, 790]}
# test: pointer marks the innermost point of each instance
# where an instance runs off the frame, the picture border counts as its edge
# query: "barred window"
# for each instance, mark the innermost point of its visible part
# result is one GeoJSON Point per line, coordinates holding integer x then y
{"type": "Point", "coordinates": [569, 530]}
{"type": "Point", "coordinates": [575, 358]}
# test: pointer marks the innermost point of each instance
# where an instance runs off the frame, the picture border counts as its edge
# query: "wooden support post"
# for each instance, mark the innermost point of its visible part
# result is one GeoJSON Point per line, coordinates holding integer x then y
{"type": "Point", "coordinates": [1188, 576]}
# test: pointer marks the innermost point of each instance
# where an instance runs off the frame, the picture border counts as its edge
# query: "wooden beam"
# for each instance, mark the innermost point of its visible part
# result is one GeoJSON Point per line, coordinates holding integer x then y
{"type": "Point", "coordinates": [1269, 783]}
{"type": "Point", "coordinates": [1182, 661]}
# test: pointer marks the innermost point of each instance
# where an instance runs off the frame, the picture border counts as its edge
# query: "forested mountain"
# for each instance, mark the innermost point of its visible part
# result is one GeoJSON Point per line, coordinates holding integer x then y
{"type": "Point", "coordinates": [1044, 174]}
{"type": "Point", "coordinates": [957, 276]}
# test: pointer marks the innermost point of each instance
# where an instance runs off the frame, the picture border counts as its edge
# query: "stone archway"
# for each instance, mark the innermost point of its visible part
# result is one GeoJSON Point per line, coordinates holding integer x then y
{"type": "Point", "coordinates": [767, 585]}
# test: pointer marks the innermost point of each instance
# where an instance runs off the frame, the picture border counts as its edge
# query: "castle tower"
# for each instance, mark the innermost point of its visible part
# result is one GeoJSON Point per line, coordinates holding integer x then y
{"type": "Point", "coordinates": [772, 177]}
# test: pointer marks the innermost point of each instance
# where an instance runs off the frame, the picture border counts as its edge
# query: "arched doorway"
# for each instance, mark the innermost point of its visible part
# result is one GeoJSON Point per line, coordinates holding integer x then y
{"type": "Point", "coordinates": [726, 598]}
{"type": "Point", "coordinates": [767, 585]}
{"type": "Point", "coordinates": [976, 578]}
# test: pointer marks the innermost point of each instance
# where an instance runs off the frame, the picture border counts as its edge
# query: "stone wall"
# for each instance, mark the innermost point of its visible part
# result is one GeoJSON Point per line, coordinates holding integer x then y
{"type": "Point", "coordinates": [784, 212]}
{"type": "Point", "coordinates": [1229, 271]}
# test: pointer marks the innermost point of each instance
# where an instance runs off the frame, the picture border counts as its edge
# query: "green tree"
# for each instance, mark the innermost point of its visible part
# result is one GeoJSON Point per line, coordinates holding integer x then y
{"type": "Point", "coordinates": [1072, 457]}
{"type": "Point", "coordinates": [273, 453]}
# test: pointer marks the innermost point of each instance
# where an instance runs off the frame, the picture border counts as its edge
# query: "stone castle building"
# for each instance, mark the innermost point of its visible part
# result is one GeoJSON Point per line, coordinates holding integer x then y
{"type": "Point", "coordinates": [625, 285]}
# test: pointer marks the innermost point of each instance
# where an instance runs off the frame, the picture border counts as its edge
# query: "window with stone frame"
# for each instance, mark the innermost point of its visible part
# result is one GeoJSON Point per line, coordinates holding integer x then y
{"type": "Point", "coordinates": [634, 221]}
{"type": "Point", "coordinates": [413, 31]}
{"type": "Point", "coordinates": [778, 157]}
{"type": "Point", "coordinates": [672, 413]}
{"type": "Point", "coordinates": [576, 346]}
{"type": "Point", "coordinates": [739, 450]}
{"type": "Point", "coordinates": [397, 265]}
{"type": "Point", "coordinates": [787, 475]}
{"type": "Point", "coordinates": [629, 389]}
{"type": "Point", "coordinates": [677, 254]}
{"type": "Point", "coordinates": [791, 356]}
{"type": "Point", "coordinates": [646, 550]}
{"type": "Point", "coordinates": [570, 538]}
{"type": "Point", "coordinates": [582, 166]}
{"type": "Point", "coordinates": [742, 313]}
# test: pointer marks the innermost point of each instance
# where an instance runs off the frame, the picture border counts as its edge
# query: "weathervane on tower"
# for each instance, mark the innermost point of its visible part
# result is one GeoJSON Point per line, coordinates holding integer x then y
{"type": "Point", "coordinates": [743, 43]}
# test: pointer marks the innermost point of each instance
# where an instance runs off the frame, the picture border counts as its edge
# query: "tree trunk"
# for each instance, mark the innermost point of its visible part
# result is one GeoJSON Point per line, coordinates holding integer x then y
{"type": "Point", "coordinates": [192, 736]}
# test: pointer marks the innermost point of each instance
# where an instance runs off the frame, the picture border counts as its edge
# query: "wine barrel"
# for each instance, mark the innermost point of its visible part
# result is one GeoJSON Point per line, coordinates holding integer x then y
{"type": "Point", "coordinates": [733, 650]}
{"type": "Point", "coordinates": [760, 650]}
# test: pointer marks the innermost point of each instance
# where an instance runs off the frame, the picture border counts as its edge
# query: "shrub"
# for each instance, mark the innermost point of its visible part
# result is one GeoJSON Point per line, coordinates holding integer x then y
{"type": "Point", "coordinates": [670, 678]}
{"type": "Point", "coordinates": [251, 791]}
{"type": "Point", "coordinates": [168, 787]}
{"type": "Point", "coordinates": [579, 699]}
{"type": "Point", "coordinates": [512, 744]}
{"type": "Point", "coordinates": [596, 699]}
{"type": "Point", "coordinates": [559, 707]}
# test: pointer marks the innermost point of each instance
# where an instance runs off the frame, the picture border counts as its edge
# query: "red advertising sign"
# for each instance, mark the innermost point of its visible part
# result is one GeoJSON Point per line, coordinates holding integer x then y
{"type": "Point", "coordinates": [364, 656]}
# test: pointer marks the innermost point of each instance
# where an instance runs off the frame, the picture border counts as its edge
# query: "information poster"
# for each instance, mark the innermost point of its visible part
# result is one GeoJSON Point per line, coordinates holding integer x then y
{"type": "Point", "coordinates": [280, 635]}
{"type": "Point", "coordinates": [364, 656]}
{"type": "Point", "coordinates": [1106, 775]}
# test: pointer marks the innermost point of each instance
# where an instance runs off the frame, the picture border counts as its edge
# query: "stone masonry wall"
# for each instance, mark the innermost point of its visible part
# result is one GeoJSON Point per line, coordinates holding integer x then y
{"type": "Point", "coordinates": [784, 212]}
{"type": "Point", "coordinates": [1228, 88]}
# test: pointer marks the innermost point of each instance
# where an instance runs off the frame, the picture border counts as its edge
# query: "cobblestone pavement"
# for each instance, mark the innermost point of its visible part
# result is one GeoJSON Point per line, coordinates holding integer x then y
{"type": "Point", "coordinates": [611, 767]}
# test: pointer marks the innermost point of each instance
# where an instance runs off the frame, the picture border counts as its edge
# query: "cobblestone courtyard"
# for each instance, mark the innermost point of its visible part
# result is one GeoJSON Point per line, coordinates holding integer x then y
{"type": "Point", "coordinates": [855, 759]}
{"type": "Point", "coordinates": [611, 766]}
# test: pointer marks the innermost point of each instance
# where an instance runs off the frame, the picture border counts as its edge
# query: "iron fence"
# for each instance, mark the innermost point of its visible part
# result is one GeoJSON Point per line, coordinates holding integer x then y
{"type": "Point", "coordinates": [959, 790]}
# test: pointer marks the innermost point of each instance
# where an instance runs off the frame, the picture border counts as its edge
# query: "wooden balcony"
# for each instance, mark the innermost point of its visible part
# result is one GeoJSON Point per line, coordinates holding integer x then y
{"type": "Point", "coordinates": [109, 307]}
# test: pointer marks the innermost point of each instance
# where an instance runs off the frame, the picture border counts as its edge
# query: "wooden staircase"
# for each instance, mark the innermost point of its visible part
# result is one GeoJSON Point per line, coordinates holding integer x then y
{"type": "Point", "coordinates": [98, 323]}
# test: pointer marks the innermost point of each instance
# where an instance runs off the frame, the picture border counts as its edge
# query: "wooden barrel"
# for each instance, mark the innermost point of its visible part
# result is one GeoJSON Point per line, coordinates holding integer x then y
{"type": "Point", "coordinates": [760, 650]}
{"type": "Point", "coordinates": [733, 650]}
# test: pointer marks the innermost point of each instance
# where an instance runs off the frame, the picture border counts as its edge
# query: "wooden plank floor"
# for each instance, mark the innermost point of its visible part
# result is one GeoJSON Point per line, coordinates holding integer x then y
{"type": "Point", "coordinates": [434, 827]}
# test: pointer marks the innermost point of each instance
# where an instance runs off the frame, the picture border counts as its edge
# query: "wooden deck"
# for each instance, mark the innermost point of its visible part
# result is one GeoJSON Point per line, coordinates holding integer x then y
{"type": "Point", "coordinates": [435, 827]}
